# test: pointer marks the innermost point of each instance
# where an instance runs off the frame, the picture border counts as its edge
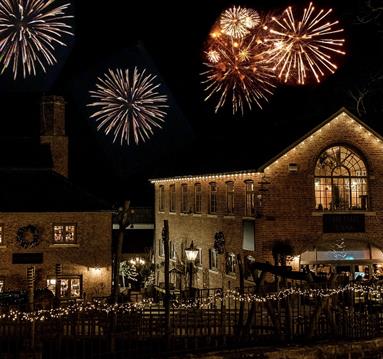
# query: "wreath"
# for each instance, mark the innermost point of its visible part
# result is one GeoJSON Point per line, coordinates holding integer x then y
{"type": "Point", "coordinates": [28, 236]}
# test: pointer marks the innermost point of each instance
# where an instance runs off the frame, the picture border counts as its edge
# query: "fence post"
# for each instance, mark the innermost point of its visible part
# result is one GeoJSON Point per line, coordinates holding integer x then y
{"type": "Point", "coordinates": [165, 238]}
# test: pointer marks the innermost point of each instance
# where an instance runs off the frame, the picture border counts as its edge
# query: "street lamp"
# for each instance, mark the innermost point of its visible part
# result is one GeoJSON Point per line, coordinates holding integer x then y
{"type": "Point", "coordinates": [191, 255]}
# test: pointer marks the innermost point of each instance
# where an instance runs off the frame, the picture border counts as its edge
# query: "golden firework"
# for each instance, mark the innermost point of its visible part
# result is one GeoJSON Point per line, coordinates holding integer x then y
{"type": "Point", "coordinates": [236, 22]}
{"type": "Point", "coordinates": [305, 48]}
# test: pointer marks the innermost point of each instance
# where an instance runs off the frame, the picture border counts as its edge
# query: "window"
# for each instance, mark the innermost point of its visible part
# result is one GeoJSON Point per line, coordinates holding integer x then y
{"type": "Point", "coordinates": [198, 260]}
{"type": "Point", "coordinates": [172, 198]}
{"type": "Point", "coordinates": [197, 197]}
{"type": "Point", "coordinates": [213, 263]}
{"type": "Point", "coordinates": [230, 197]}
{"type": "Point", "coordinates": [212, 197]}
{"type": "Point", "coordinates": [161, 249]}
{"type": "Point", "coordinates": [1, 286]}
{"type": "Point", "coordinates": [1, 234]}
{"type": "Point", "coordinates": [340, 180]}
{"type": "Point", "coordinates": [184, 198]}
{"type": "Point", "coordinates": [70, 287]}
{"type": "Point", "coordinates": [249, 260]}
{"type": "Point", "coordinates": [172, 250]}
{"type": "Point", "coordinates": [64, 233]}
{"type": "Point", "coordinates": [250, 198]}
{"type": "Point", "coordinates": [230, 263]}
{"type": "Point", "coordinates": [161, 198]}
{"type": "Point", "coordinates": [248, 235]}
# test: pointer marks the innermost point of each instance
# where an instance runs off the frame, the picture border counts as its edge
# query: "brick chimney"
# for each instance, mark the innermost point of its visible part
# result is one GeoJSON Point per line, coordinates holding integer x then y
{"type": "Point", "coordinates": [52, 131]}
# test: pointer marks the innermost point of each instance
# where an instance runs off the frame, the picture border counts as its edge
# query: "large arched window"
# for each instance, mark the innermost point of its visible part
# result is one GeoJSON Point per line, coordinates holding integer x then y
{"type": "Point", "coordinates": [340, 180]}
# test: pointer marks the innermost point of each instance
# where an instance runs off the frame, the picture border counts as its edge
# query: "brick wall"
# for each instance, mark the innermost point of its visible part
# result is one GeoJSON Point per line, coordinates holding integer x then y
{"type": "Point", "coordinates": [288, 205]}
{"type": "Point", "coordinates": [93, 249]}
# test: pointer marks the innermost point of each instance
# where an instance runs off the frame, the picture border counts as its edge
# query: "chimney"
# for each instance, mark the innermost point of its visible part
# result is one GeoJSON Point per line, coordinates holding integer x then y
{"type": "Point", "coordinates": [52, 131]}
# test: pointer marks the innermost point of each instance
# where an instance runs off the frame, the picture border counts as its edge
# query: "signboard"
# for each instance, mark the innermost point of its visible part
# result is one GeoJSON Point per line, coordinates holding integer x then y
{"type": "Point", "coordinates": [343, 223]}
{"type": "Point", "coordinates": [27, 258]}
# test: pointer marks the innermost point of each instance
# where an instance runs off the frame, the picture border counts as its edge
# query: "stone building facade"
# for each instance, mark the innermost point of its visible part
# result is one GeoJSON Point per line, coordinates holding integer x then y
{"type": "Point", "coordinates": [49, 224]}
{"type": "Point", "coordinates": [322, 195]}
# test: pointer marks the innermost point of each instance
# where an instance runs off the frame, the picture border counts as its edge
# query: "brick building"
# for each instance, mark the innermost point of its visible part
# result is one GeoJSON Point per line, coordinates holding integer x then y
{"type": "Point", "coordinates": [48, 223]}
{"type": "Point", "coordinates": [323, 194]}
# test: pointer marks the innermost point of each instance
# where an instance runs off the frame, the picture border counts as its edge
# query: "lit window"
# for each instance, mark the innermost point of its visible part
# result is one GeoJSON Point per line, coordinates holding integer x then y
{"type": "Point", "coordinates": [70, 287]}
{"type": "Point", "coordinates": [172, 198]}
{"type": "Point", "coordinates": [230, 263]}
{"type": "Point", "coordinates": [213, 264]}
{"type": "Point", "coordinates": [161, 198]}
{"type": "Point", "coordinates": [184, 198]}
{"type": "Point", "coordinates": [230, 197]}
{"type": "Point", "coordinates": [250, 198]}
{"type": "Point", "coordinates": [1, 286]}
{"type": "Point", "coordinates": [197, 197]}
{"type": "Point", "coordinates": [212, 197]}
{"type": "Point", "coordinates": [340, 180]}
{"type": "Point", "coordinates": [249, 261]}
{"type": "Point", "coordinates": [1, 234]}
{"type": "Point", "coordinates": [64, 233]}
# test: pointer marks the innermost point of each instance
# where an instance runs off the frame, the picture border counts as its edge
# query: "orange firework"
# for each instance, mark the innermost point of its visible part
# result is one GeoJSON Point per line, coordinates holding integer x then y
{"type": "Point", "coordinates": [238, 71]}
{"type": "Point", "coordinates": [303, 49]}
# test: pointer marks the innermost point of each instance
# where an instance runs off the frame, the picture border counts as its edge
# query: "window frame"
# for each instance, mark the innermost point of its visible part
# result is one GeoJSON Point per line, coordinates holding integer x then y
{"type": "Point", "coordinates": [337, 184]}
{"type": "Point", "coordinates": [213, 253]}
{"type": "Point", "coordinates": [213, 194]}
{"type": "Point", "coordinates": [197, 198]}
{"type": "Point", "coordinates": [2, 242]}
{"type": "Point", "coordinates": [161, 198]}
{"type": "Point", "coordinates": [249, 198]}
{"type": "Point", "coordinates": [230, 263]}
{"type": "Point", "coordinates": [68, 277]}
{"type": "Point", "coordinates": [64, 225]}
{"type": "Point", "coordinates": [198, 261]}
{"type": "Point", "coordinates": [184, 198]}
{"type": "Point", "coordinates": [230, 197]}
{"type": "Point", "coordinates": [172, 198]}
{"type": "Point", "coordinates": [161, 248]}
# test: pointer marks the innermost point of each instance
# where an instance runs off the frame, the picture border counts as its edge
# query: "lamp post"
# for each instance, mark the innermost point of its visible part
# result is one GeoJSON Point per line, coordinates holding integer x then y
{"type": "Point", "coordinates": [191, 255]}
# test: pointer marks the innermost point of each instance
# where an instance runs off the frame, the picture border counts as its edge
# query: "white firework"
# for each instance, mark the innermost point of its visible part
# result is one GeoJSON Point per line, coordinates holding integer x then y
{"type": "Point", "coordinates": [29, 31]}
{"type": "Point", "coordinates": [129, 105]}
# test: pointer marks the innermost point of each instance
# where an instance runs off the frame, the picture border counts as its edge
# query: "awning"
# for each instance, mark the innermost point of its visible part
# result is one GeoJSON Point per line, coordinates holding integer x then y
{"type": "Point", "coordinates": [343, 250]}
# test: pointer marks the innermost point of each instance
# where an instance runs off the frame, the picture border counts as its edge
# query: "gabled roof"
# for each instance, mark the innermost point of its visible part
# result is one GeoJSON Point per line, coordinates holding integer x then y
{"type": "Point", "coordinates": [212, 176]}
{"type": "Point", "coordinates": [343, 110]}
{"type": "Point", "coordinates": [41, 190]}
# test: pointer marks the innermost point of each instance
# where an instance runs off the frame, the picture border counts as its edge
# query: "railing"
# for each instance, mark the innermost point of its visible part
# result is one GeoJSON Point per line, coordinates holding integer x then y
{"type": "Point", "coordinates": [211, 320]}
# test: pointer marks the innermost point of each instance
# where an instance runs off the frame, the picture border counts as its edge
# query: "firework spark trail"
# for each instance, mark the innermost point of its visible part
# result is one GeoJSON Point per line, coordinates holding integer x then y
{"type": "Point", "coordinates": [236, 21]}
{"type": "Point", "coordinates": [298, 48]}
{"type": "Point", "coordinates": [239, 72]}
{"type": "Point", "coordinates": [29, 31]}
{"type": "Point", "coordinates": [129, 105]}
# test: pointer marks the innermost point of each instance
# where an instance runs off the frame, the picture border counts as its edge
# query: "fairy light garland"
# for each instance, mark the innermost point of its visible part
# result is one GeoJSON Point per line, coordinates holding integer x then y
{"type": "Point", "coordinates": [78, 309]}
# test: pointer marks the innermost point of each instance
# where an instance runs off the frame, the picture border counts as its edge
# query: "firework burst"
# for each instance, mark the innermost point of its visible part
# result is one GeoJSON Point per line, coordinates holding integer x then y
{"type": "Point", "coordinates": [29, 30]}
{"type": "Point", "coordinates": [303, 49]}
{"type": "Point", "coordinates": [129, 105]}
{"type": "Point", "coordinates": [236, 22]}
{"type": "Point", "coordinates": [239, 72]}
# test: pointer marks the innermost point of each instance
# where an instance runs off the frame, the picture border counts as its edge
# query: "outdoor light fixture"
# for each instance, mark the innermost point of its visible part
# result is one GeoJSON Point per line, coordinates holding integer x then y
{"type": "Point", "coordinates": [191, 253]}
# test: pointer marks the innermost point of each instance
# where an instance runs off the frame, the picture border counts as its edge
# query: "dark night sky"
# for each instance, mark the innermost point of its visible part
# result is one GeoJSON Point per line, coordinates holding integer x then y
{"type": "Point", "coordinates": [167, 38]}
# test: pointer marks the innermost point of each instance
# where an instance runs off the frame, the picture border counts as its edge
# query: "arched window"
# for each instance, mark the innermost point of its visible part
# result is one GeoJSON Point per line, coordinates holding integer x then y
{"type": "Point", "coordinates": [340, 180]}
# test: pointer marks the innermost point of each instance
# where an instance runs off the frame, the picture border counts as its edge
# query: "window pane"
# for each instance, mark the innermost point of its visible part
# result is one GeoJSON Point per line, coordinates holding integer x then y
{"type": "Point", "coordinates": [172, 204]}
{"type": "Point", "coordinates": [75, 290]}
{"type": "Point", "coordinates": [1, 235]}
{"type": "Point", "coordinates": [230, 197]}
{"type": "Point", "coordinates": [212, 197]}
{"type": "Point", "coordinates": [70, 233]}
{"type": "Point", "coordinates": [51, 285]}
{"type": "Point", "coordinates": [64, 288]}
{"type": "Point", "coordinates": [184, 198]}
{"type": "Point", "coordinates": [248, 235]}
{"type": "Point", "coordinates": [1, 286]}
{"type": "Point", "coordinates": [161, 199]}
{"type": "Point", "coordinates": [58, 233]}
{"type": "Point", "coordinates": [197, 198]}
{"type": "Point", "coordinates": [341, 180]}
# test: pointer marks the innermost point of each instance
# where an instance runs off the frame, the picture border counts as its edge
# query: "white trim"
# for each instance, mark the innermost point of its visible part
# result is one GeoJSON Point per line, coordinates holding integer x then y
{"type": "Point", "coordinates": [321, 213]}
{"type": "Point", "coordinates": [64, 245]}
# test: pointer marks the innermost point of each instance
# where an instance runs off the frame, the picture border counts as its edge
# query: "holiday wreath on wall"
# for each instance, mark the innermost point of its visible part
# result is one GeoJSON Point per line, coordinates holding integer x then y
{"type": "Point", "coordinates": [28, 236]}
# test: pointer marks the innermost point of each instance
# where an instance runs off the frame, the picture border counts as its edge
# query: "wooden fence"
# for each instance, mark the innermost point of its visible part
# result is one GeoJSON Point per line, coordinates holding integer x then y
{"type": "Point", "coordinates": [207, 322]}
